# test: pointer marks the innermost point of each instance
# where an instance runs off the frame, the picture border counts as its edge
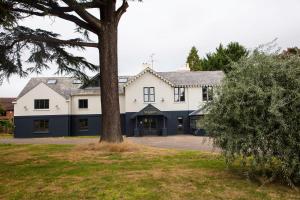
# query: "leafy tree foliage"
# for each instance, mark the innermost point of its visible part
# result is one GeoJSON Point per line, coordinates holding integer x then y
{"type": "Point", "coordinates": [46, 47]}
{"type": "Point", "coordinates": [194, 60]}
{"type": "Point", "coordinates": [1, 109]}
{"type": "Point", "coordinates": [223, 57]}
{"type": "Point", "coordinates": [256, 115]}
{"type": "Point", "coordinates": [5, 123]}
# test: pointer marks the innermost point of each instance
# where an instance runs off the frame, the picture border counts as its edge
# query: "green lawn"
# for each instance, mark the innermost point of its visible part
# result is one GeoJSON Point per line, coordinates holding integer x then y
{"type": "Point", "coordinates": [72, 172]}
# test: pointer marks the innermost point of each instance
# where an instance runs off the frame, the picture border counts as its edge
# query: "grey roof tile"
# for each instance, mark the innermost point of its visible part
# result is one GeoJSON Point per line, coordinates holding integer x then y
{"type": "Point", "coordinates": [189, 78]}
{"type": "Point", "coordinates": [66, 88]}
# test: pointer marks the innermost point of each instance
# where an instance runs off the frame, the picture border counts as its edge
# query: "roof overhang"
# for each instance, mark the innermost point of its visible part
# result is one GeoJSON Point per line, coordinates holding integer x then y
{"type": "Point", "coordinates": [149, 110]}
{"type": "Point", "coordinates": [151, 71]}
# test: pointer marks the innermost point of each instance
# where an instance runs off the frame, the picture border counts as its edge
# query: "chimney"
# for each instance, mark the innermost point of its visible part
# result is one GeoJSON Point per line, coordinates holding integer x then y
{"type": "Point", "coordinates": [187, 66]}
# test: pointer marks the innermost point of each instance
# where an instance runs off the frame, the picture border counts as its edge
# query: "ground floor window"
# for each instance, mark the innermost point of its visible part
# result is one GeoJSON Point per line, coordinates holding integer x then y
{"type": "Point", "coordinates": [41, 126]}
{"type": "Point", "coordinates": [83, 124]}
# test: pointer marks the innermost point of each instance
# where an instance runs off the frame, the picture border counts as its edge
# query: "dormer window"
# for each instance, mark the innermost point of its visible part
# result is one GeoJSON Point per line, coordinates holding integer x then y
{"type": "Point", "coordinates": [77, 81]}
{"type": "Point", "coordinates": [51, 81]}
{"type": "Point", "coordinates": [123, 80]}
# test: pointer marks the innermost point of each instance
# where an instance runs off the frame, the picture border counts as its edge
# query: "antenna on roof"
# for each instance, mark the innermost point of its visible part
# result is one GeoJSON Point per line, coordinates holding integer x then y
{"type": "Point", "coordinates": [152, 60]}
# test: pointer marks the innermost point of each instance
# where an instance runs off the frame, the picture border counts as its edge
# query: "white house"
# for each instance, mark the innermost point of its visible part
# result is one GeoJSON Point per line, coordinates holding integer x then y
{"type": "Point", "coordinates": [152, 103]}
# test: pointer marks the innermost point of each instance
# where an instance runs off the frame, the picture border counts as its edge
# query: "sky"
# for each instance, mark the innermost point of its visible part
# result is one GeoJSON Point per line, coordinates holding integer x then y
{"type": "Point", "coordinates": [169, 28]}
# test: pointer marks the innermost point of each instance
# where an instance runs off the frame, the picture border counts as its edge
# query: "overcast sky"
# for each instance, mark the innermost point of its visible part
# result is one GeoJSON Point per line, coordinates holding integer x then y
{"type": "Point", "coordinates": [169, 28]}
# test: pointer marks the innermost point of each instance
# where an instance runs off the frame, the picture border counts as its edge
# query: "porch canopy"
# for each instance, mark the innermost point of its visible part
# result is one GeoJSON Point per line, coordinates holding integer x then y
{"type": "Point", "coordinates": [149, 110]}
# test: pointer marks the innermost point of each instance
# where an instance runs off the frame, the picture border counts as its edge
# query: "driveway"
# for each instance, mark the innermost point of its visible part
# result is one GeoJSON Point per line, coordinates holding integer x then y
{"type": "Point", "coordinates": [184, 142]}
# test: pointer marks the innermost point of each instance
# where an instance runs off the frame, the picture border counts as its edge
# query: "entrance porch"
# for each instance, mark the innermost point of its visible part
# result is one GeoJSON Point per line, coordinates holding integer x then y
{"type": "Point", "coordinates": [149, 122]}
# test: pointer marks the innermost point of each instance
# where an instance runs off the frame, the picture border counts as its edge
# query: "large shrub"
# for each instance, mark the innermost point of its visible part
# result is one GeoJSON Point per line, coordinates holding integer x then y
{"type": "Point", "coordinates": [256, 116]}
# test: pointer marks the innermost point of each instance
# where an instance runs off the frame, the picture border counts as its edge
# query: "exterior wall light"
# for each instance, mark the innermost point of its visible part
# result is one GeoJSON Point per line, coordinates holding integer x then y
{"type": "Point", "coordinates": [134, 100]}
{"type": "Point", "coordinates": [57, 107]}
{"type": "Point", "coordinates": [25, 108]}
{"type": "Point", "coordinates": [162, 99]}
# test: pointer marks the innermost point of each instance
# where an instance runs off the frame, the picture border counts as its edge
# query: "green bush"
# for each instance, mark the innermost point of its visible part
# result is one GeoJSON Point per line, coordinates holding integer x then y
{"type": "Point", "coordinates": [256, 116]}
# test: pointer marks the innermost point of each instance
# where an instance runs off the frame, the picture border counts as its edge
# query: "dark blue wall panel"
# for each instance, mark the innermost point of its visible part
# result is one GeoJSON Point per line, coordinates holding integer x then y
{"type": "Point", "coordinates": [58, 126]}
{"type": "Point", "coordinates": [171, 122]}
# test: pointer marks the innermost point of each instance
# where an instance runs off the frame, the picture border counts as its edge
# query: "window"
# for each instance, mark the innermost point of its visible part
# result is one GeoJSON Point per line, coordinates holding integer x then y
{"type": "Point", "coordinates": [179, 94]}
{"type": "Point", "coordinates": [83, 103]}
{"type": "Point", "coordinates": [51, 81]}
{"type": "Point", "coordinates": [83, 124]}
{"type": "Point", "coordinates": [76, 82]}
{"type": "Point", "coordinates": [149, 94]}
{"type": "Point", "coordinates": [180, 125]}
{"type": "Point", "coordinates": [41, 104]}
{"type": "Point", "coordinates": [2, 113]}
{"type": "Point", "coordinates": [207, 93]}
{"type": "Point", "coordinates": [41, 126]}
{"type": "Point", "coordinates": [123, 80]}
{"type": "Point", "coordinates": [179, 122]}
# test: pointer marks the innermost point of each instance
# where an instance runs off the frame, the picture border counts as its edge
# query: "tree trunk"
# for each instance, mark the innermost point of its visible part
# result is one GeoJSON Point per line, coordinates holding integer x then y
{"type": "Point", "coordinates": [109, 83]}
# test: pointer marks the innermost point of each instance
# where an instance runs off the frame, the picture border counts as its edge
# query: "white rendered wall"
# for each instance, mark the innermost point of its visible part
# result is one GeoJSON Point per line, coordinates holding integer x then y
{"type": "Point", "coordinates": [94, 105]}
{"type": "Point", "coordinates": [134, 99]}
{"type": "Point", "coordinates": [58, 105]}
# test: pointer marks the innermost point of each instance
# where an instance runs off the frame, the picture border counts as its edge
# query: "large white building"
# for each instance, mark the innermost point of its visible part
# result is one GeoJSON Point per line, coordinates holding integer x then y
{"type": "Point", "coordinates": [151, 103]}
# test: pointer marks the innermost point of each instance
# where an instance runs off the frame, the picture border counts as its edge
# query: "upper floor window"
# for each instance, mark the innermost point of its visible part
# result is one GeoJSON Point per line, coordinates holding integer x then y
{"type": "Point", "coordinates": [41, 104]}
{"type": "Point", "coordinates": [179, 94]}
{"type": "Point", "coordinates": [207, 93]}
{"type": "Point", "coordinates": [149, 94]}
{"type": "Point", "coordinates": [41, 126]}
{"type": "Point", "coordinates": [83, 103]}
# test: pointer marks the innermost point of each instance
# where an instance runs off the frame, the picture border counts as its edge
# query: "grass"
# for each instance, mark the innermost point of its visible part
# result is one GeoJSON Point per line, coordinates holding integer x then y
{"type": "Point", "coordinates": [123, 172]}
{"type": "Point", "coordinates": [5, 136]}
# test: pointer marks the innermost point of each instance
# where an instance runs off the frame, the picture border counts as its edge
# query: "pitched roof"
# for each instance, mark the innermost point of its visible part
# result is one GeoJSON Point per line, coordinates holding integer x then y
{"type": "Point", "coordinates": [185, 78]}
{"type": "Point", "coordinates": [191, 78]}
{"type": "Point", "coordinates": [63, 86]}
{"type": "Point", "coordinates": [6, 104]}
{"type": "Point", "coordinates": [148, 70]}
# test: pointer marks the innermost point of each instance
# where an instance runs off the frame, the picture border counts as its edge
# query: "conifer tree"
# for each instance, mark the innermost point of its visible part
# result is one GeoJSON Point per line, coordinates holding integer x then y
{"type": "Point", "coordinates": [46, 47]}
{"type": "Point", "coordinates": [193, 60]}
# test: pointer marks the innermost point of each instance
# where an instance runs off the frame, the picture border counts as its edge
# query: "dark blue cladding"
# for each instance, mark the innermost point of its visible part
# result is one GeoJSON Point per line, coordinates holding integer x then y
{"type": "Point", "coordinates": [60, 126]}
{"type": "Point", "coordinates": [94, 125]}
{"type": "Point", "coordinates": [171, 122]}
{"type": "Point", "coordinates": [64, 125]}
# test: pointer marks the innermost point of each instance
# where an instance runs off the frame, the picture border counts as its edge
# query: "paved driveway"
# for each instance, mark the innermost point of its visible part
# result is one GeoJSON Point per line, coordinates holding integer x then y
{"type": "Point", "coordinates": [185, 142]}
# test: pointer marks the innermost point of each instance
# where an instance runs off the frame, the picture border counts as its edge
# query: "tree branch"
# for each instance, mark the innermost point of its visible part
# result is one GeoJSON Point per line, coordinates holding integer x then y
{"type": "Point", "coordinates": [50, 40]}
{"type": "Point", "coordinates": [90, 19]}
{"type": "Point", "coordinates": [93, 4]}
{"type": "Point", "coordinates": [121, 10]}
{"type": "Point", "coordinates": [54, 11]}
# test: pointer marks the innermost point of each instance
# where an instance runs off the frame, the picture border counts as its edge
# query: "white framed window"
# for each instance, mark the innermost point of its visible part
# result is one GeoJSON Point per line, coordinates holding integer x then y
{"type": "Point", "coordinates": [41, 104]}
{"type": "Point", "coordinates": [179, 94]}
{"type": "Point", "coordinates": [83, 103]}
{"type": "Point", "coordinates": [207, 93]}
{"type": "Point", "coordinates": [149, 94]}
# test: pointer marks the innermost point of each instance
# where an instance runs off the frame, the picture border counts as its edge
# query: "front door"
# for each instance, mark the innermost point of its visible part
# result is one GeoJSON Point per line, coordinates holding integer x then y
{"type": "Point", "coordinates": [149, 125]}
